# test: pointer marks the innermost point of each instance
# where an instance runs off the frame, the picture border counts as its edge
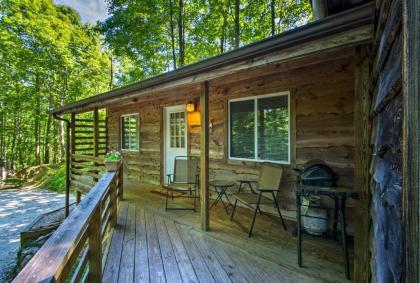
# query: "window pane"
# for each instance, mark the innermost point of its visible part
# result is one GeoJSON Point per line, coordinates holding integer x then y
{"type": "Point", "coordinates": [124, 136]}
{"type": "Point", "coordinates": [273, 128]}
{"type": "Point", "coordinates": [130, 132]}
{"type": "Point", "coordinates": [242, 129]}
{"type": "Point", "coordinates": [134, 132]}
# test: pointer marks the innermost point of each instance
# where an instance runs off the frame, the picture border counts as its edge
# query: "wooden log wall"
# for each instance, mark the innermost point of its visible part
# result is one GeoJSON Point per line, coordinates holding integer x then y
{"type": "Point", "coordinates": [322, 107]}
{"type": "Point", "coordinates": [386, 167]}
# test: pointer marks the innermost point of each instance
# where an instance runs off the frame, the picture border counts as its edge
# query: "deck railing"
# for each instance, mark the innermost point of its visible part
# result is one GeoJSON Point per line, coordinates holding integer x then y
{"type": "Point", "coordinates": [74, 251]}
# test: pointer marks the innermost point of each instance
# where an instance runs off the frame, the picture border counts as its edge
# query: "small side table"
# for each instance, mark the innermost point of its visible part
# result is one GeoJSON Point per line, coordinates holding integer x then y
{"type": "Point", "coordinates": [339, 195]}
{"type": "Point", "coordinates": [221, 187]}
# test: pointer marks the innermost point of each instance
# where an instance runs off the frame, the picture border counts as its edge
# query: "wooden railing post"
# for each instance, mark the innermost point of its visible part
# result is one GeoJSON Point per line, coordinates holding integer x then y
{"type": "Point", "coordinates": [113, 198]}
{"type": "Point", "coordinates": [95, 247]}
{"type": "Point", "coordinates": [96, 136]}
{"type": "Point", "coordinates": [120, 182]}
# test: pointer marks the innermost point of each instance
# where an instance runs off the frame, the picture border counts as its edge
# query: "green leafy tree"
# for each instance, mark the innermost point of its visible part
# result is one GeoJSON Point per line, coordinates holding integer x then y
{"type": "Point", "coordinates": [47, 58]}
{"type": "Point", "coordinates": [151, 37]}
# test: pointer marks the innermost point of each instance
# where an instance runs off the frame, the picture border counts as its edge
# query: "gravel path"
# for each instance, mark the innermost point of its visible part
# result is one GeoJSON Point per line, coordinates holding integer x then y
{"type": "Point", "coordinates": [18, 207]}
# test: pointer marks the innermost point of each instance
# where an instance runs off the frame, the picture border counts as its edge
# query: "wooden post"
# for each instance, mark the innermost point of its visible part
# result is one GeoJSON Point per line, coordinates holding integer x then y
{"type": "Point", "coordinates": [411, 139]}
{"type": "Point", "coordinates": [120, 182]}
{"type": "Point", "coordinates": [73, 151]}
{"type": "Point", "coordinates": [113, 203]}
{"type": "Point", "coordinates": [95, 247]}
{"type": "Point", "coordinates": [319, 9]}
{"type": "Point", "coordinates": [204, 156]}
{"type": "Point", "coordinates": [96, 136]}
{"type": "Point", "coordinates": [362, 158]}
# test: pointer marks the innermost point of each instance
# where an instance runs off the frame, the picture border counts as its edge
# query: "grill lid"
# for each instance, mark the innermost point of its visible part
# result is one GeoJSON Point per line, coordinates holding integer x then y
{"type": "Point", "coordinates": [317, 173]}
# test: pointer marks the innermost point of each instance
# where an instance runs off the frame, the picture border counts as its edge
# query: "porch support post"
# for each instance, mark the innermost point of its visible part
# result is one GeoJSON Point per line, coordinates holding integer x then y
{"type": "Point", "coordinates": [362, 159]}
{"type": "Point", "coordinates": [204, 156]}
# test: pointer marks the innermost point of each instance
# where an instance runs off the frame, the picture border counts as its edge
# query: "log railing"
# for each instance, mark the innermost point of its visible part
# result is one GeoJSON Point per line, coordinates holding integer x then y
{"type": "Point", "coordinates": [74, 251]}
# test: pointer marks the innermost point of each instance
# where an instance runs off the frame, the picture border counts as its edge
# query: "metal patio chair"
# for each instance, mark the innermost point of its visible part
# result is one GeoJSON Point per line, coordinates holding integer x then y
{"type": "Point", "coordinates": [265, 192]}
{"type": "Point", "coordinates": [184, 180]}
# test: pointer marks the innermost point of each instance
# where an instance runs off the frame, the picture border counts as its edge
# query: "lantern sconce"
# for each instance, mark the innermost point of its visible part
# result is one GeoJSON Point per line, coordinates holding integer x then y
{"type": "Point", "coordinates": [190, 106]}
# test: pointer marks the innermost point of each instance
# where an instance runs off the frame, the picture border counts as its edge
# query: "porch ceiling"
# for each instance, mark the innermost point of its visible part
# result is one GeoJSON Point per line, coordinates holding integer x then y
{"type": "Point", "coordinates": [349, 28]}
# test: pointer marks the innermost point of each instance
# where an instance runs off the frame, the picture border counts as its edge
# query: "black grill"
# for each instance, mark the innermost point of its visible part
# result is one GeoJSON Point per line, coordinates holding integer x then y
{"type": "Point", "coordinates": [317, 173]}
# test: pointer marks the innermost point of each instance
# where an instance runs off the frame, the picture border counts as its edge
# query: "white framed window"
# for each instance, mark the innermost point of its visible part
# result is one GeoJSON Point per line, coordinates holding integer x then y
{"type": "Point", "coordinates": [259, 128]}
{"type": "Point", "coordinates": [130, 132]}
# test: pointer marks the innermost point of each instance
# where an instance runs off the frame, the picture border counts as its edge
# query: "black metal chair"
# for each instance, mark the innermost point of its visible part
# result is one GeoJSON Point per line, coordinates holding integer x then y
{"type": "Point", "coordinates": [268, 185]}
{"type": "Point", "coordinates": [184, 180]}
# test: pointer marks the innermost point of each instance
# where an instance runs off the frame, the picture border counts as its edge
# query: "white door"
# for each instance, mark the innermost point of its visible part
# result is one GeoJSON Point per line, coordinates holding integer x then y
{"type": "Point", "coordinates": [175, 135]}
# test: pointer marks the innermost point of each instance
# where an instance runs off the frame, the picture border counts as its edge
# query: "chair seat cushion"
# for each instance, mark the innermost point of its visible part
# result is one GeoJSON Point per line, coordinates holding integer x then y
{"type": "Point", "coordinates": [252, 198]}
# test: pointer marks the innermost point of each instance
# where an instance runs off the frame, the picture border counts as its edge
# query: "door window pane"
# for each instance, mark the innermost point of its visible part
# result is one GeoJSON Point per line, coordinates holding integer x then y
{"type": "Point", "coordinates": [177, 129]}
{"type": "Point", "coordinates": [242, 129]}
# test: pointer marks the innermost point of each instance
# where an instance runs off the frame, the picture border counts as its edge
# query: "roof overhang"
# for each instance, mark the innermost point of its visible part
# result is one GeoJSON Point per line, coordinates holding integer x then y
{"type": "Point", "coordinates": [351, 27]}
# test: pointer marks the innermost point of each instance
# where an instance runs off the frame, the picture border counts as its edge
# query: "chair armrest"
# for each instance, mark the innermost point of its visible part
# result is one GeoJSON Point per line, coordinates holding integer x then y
{"type": "Point", "coordinates": [247, 181]}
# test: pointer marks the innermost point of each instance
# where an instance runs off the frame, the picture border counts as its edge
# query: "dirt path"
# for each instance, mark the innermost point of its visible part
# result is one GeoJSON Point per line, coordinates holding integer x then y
{"type": "Point", "coordinates": [18, 207]}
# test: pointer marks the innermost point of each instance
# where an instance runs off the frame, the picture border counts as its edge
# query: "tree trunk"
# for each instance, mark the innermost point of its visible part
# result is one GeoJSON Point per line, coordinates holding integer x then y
{"type": "Point", "coordinates": [181, 33]}
{"type": "Point", "coordinates": [171, 11]}
{"type": "Point", "coordinates": [37, 126]}
{"type": "Point", "coordinates": [223, 36]}
{"type": "Point", "coordinates": [280, 14]}
{"type": "Point", "coordinates": [273, 17]}
{"type": "Point", "coordinates": [237, 27]}
{"type": "Point", "coordinates": [46, 140]}
{"type": "Point", "coordinates": [111, 74]}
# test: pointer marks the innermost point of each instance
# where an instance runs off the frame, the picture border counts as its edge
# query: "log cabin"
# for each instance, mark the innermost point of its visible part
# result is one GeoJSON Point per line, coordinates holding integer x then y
{"type": "Point", "coordinates": [342, 89]}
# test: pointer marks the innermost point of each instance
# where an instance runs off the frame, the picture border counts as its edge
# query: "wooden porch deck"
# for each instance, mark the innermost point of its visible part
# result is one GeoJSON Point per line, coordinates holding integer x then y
{"type": "Point", "coordinates": [151, 245]}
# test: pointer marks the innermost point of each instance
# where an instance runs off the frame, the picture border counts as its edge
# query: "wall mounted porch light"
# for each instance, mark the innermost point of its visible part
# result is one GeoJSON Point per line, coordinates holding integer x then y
{"type": "Point", "coordinates": [190, 106]}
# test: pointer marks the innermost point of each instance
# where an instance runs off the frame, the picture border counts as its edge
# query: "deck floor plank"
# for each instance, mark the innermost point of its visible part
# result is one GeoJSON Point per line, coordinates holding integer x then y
{"type": "Point", "coordinates": [126, 271]}
{"type": "Point", "coordinates": [156, 270]}
{"type": "Point", "coordinates": [185, 266]}
{"type": "Point", "coordinates": [234, 271]}
{"type": "Point", "coordinates": [201, 270]}
{"type": "Point", "coordinates": [141, 267]}
{"type": "Point", "coordinates": [113, 261]}
{"type": "Point", "coordinates": [170, 264]}
{"type": "Point", "coordinates": [215, 267]}
{"type": "Point", "coordinates": [148, 245]}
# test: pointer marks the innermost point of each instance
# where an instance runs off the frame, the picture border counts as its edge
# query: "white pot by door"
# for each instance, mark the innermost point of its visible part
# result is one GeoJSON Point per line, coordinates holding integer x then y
{"type": "Point", "coordinates": [175, 136]}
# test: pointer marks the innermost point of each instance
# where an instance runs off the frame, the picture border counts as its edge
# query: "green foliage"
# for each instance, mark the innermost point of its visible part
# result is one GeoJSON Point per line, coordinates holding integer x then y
{"type": "Point", "coordinates": [57, 181]}
{"type": "Point", "coordinates": [47, 58]}
{"type": "Point", "coordinates": [113, 156]}
{"type": "Point", "coordinates": [140, 33]}
{"type": "Point", "coordinates": [14, 181]}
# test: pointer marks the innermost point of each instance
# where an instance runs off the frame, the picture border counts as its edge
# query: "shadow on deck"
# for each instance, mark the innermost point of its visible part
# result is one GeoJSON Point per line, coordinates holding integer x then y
{"type": "Point", "coordinates": [151, 245]}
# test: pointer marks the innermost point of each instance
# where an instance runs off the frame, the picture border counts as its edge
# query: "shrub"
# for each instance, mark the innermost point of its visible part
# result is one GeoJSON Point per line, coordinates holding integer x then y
{"type": "Point", "coordinates": [57, 181]}
{"type": "Point", "coordinates": [14, 181]}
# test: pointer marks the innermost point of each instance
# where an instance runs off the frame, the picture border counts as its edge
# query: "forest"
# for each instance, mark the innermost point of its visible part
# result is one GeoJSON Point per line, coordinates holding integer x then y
{"type": "Point", "coordinates": [48, 57]}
